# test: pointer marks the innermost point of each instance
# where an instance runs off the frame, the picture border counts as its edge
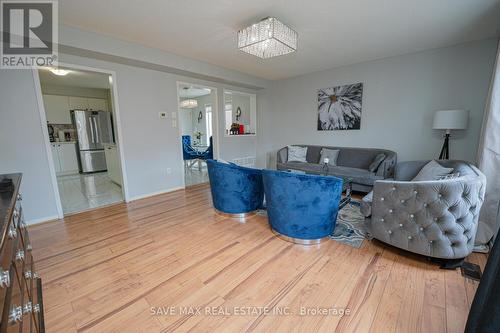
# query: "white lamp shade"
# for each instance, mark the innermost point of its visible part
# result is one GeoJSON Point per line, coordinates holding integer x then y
{"type": "Point", "coordinates": [451, 119]}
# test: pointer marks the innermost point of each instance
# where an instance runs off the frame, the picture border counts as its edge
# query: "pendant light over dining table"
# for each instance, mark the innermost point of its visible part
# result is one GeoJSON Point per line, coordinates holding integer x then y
{"type": "Point", "coordinates": [189, 104]}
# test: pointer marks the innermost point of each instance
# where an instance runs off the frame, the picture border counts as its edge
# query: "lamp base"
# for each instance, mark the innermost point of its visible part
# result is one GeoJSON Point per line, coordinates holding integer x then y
{"type": "Point", "coordinates": [445, 150]}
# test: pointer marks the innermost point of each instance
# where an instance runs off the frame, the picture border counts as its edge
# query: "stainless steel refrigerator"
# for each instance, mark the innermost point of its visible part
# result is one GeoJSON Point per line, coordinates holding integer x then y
{"type": "Point", "coordinates": [93, 129]}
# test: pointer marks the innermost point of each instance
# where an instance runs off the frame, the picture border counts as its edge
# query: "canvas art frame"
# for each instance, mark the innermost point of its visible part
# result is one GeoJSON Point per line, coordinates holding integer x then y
{"type": "Point", "coordinates": [340, 107]}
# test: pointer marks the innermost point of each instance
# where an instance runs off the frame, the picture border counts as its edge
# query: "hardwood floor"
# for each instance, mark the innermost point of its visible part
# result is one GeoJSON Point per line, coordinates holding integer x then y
{"type": "Point", "coordinates": [120, 268]}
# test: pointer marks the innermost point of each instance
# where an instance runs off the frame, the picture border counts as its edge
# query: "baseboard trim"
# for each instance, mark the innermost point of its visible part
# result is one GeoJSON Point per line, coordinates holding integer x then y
{"type": "Point", "coordinates": [43, 220]}
{"type": "Point", "coordinates": [144, 196]}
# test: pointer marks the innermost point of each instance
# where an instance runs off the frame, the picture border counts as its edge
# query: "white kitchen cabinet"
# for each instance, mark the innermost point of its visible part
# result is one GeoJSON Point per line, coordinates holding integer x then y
{"type": "Point", "coordinates": [113, 163]}
{"type": "Point", "coordinates": [78, 103]}
{"type": "Point", "coordinates": [57, 109]}
{"type": "Point", "coordinates": [65, 159]}
{"type": "Point", "coordinates": [97, 104]}
{"type": "Point", "coordinates": [55, 157]}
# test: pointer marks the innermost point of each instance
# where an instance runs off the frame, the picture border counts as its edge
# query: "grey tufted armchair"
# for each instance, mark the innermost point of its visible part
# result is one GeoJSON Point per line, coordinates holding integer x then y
{"type": "Point", "coordinates": [433, 218]}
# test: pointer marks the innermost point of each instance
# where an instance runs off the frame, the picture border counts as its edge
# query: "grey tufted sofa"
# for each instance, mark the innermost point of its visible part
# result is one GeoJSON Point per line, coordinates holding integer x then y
{"type": "Point", "coordinates": [433, 218]}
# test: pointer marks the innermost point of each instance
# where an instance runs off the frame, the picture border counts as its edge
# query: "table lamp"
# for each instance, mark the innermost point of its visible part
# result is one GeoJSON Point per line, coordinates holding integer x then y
{"type": "Point", "coordinates": [449, 120]}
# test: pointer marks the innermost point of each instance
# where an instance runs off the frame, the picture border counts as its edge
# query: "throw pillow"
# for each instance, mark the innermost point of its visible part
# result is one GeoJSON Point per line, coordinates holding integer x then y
{"type": "Point", "coordinates": [449, 176]}
{"type": "Point", "coordinates": [376, 162]}
{"type": "Point", "coordinates": [432, 171]}
{"type": "Point", "coordinates": [331, 154]}
{"type": "Point", "coordinates": [297, 154]}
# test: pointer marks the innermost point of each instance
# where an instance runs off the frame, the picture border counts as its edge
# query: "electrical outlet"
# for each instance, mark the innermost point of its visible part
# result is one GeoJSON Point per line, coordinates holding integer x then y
{"type": "Point", "coordinates": [162, 115]}
{"type": "Point", "coordinates": [169, 171]}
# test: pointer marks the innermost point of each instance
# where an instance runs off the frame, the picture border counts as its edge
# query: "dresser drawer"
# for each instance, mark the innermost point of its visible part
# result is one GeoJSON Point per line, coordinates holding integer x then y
{"type": "Point", "coordinates": [12, 312]}
{"type": "Point", "coordinates": [6, 268]}
{"type": "Point", "coordinates": [38, 306]}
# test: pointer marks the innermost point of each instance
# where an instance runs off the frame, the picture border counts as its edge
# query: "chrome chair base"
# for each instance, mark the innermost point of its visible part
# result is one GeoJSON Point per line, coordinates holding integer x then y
{"type": "Point", "coordinates": [300, 240]}
{"type": "Point", "coordinates": [238, 216]}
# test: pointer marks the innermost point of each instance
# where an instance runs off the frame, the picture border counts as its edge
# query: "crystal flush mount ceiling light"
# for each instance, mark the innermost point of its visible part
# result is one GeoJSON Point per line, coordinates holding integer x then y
{"type": "Point", "coordinates": [189, 103]}
{"type": "Point", "coordinates": [267, 38]}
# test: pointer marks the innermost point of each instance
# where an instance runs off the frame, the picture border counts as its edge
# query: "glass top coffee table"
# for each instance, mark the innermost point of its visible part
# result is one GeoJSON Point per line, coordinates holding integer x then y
{"type": "Point", "coordinates": [346, 185]}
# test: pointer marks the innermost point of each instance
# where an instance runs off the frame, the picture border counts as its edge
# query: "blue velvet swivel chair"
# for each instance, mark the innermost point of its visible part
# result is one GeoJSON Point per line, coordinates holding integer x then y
{"type": "Point", "coordinates": [236, 191]}
{"type": "Point", "coordinates": [188, 152]}
{"type": "Point", "coordinates": [301, 208]}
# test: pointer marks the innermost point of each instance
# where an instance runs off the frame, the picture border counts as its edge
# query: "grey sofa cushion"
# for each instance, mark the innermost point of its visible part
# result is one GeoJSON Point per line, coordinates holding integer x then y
{"type": "Point", "coordinates": [376, 162]}
{"type": "Point", "coordinates": [331, 154]}
{"type": "Point", "coordinates": [357, 157]}
{"type": "Point", "coordinates": [432, 171]}
{"type": "Point", "coordinates": [359, 176]}
{"type": "Point", "coordinates": [406, 171]}
{"type": "Point", "coordinates": [297, 154]}
{"type": "Point", "coordinates": [308, 167]}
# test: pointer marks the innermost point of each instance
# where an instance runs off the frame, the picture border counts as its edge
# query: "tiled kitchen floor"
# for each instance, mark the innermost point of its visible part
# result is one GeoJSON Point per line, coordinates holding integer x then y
{"type": "Point", "coordinates": [83, 192]}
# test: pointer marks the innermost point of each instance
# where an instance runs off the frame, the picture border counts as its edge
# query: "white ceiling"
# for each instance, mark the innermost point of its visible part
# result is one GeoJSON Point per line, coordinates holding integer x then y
{"type": "Point", "coordinates": [332, 33]}
{"type": "Point", "coordinates": [75, 78]}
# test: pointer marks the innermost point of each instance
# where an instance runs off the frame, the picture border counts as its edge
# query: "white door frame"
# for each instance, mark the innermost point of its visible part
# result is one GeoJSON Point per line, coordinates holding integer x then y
{"type": "Point", "coordinates": [215, 120]}
{"type": "Point", "coordinates": [45, 131]}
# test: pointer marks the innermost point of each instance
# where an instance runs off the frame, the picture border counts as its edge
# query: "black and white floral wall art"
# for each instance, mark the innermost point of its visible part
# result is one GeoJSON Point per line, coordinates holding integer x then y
{"type": "Point", "coordinates": [339, 108]}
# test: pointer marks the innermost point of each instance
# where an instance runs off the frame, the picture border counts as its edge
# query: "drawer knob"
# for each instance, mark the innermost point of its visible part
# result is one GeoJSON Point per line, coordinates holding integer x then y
{"type": "Point", "coordinates": [19, 197]}
{"type": "Point", "coordinates": [20, 255]}
{"type": "Point", "coordinates": [12, 234]}
{"type": "Point", "coordinates": [4, 279]}
{"type": "Point", "coordinates": [16, 314]}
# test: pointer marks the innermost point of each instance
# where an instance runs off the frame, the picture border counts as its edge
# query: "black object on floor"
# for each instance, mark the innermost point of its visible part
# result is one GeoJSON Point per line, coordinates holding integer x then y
{"type": "Point", "coordinates": [448, 263]}
{"type": "Point", "coordinates": [471, 271]}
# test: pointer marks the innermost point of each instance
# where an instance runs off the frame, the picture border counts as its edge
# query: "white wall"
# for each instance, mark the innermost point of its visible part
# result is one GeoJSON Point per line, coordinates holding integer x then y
{"type": "Point", "coordinates": [21, 143]}
{"type": "Point", "coordinates": [400, 95]}
{"type": "Point", "coordinates": [150, 145]}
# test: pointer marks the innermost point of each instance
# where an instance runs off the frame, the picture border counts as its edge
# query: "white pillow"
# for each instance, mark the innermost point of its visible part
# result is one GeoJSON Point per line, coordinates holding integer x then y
{"type": "Point", "coordinates": [297, 154]}
{"type": "Point", "coordinates": [432, 171]}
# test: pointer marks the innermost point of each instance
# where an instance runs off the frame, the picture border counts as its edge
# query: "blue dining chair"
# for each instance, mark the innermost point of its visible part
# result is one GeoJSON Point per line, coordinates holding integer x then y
{"type": "Point", "coordinates": [208, 154]}
{"type": "Point", "coordinates": [188, 152]}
